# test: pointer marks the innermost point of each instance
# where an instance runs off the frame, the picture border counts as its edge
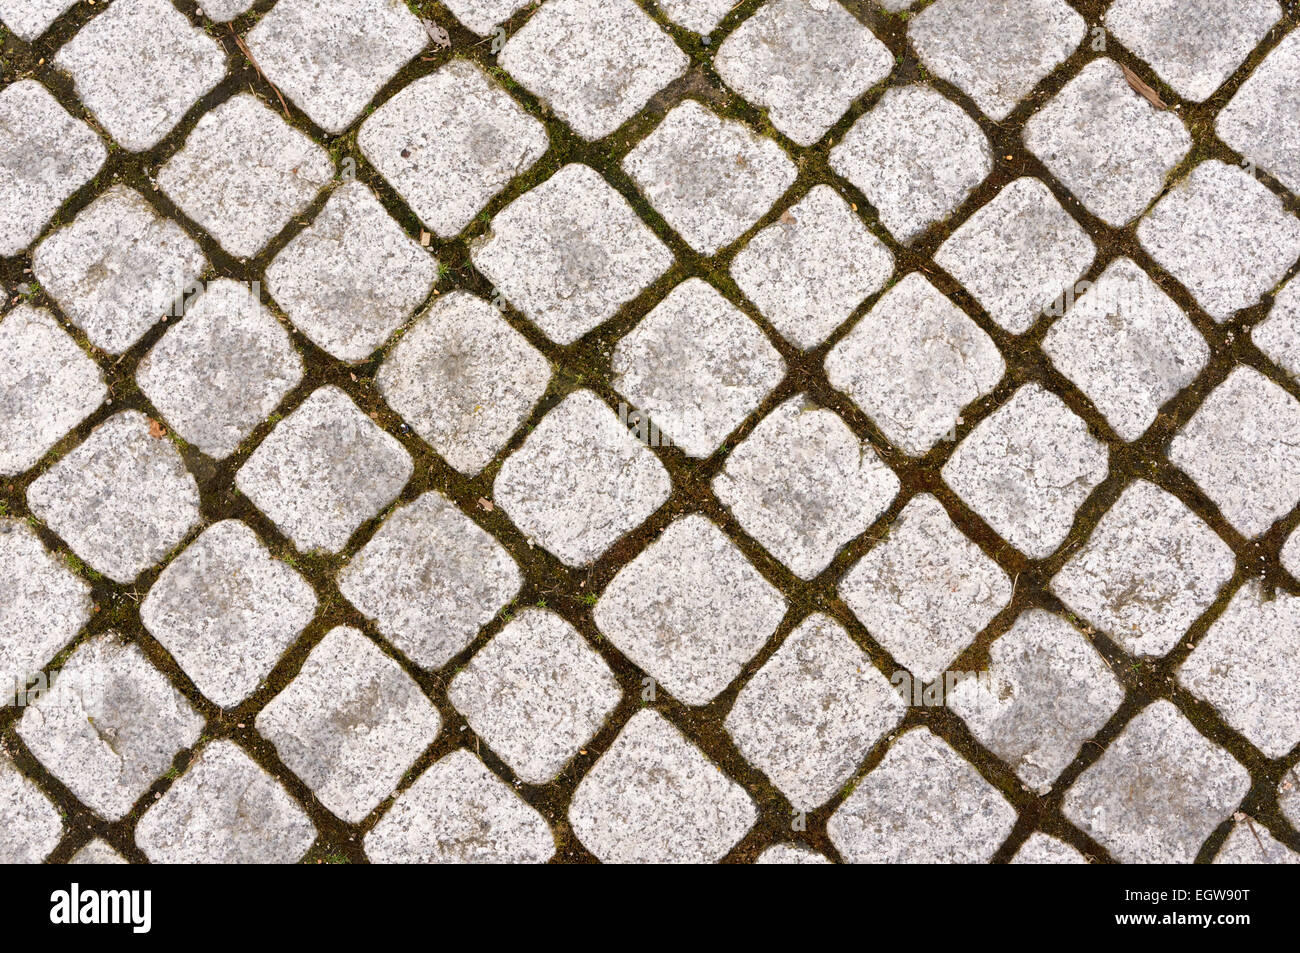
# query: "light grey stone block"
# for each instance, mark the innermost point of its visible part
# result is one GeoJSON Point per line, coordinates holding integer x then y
{"type": "Point", "coordinates": [1254, 122]}
{"type": "Point", "coordinates": [227, 611]}
{"type": "Point", "coordinates": [225, 810]}
{"type": "Point", "coordinates": [808, 272]}
{"type": "Point", "coordinates": [1243, 449]}
{"type": "Point", "coordinates": [690, 610]}
{"type": "Point", "coordinates": [42, 606]}
{"type": "Point", "coordinates": [804, 62]}
{"type": "Point", "coordinates": [1042, 849]}
{"type": "Point", "coordinates": [996, 51]}
{"type": "Point", "coordinates": [482, 16]}
{"type": "Point", "coordinates": [1148, 570]}
{"type": "Point", "coordinates": [323, 471]}
{"type": "Point", "coordinates": [350, 724]}
{"type": "Point", "coordinates": [139, 66]}
{"type": "Point", "coordinates": [697, 366]}
{"type": "Point", "coordinates": [1159, 790]}
{"type": "Point", "coordinates": [45, 156]}
{"type": "Point", "coordinates": [1194, 45]}
{"type": "Point", "coordinates": [1128, 347]}
{"type": "Point", "coordinates": [1046, 692]}
{"type": "Point", "coordinates": [913, 363]}
{"type": "Point", "coordinates": [916, 156]}
{"type": "Point", "coordinates": [48, 385]}
{"type": "Point", "coordinates": [118, 268]}
{"type": "Point", "coordinates": [464, 379]}
{"type": "Point", "coordinates": [31, 824]}
{"type": "Point", "coordinates": [28, 19]}
{"type": "Point", "coordinates": [1246, 666]}
{"type": "Point", "coordinates": [459, 812]}
{"type": "Point", "coordinates": [332, 59]}
{"type": "Point", "coordinates": [710, 178]}
{"type": "Point", "coordinates": [921, 804]}
{"type": "Point", "coordinates": [1288, 796]}
{"type": "Point", "coordinates": [1110, 147]}
{"type": "Point", "coordinates": [352, 277]}
{"type": "Point", "coordinates": [594, 62]}
{"type": "Point", "coordinates": [1018, 254]}
{"type": "Point", "coordinates": [653, 798]}
{"type": "Point", "coordinates": [97, 852]}
{"type": "Point", "coordinates": [1278, 335]}
{"type": "Point", "coordinates": [243, 173]}
{"type": "Point", "coordinates": [812, 712]}
{"type": "Point", "coordinates": [222, 370]}
{"type": "Point", "coordinates": [580, 481]}
{"type": "Point", "coordinates": [109, 726]}
{"type": "Point", "coordinates": [698, 15]}
{"type": "Point", "coordinates": [1226, 237]}
{"type": "Point", "coordinates": [925, 591]}
{"type": "Point", "coordinates": [536, 693]}
{"type": "Point", "coordinates": [1251, 843]}
{"type": "Point", "coordinates": [790, 854]}
{"type": "Point", "coordinates": [451, 141]}
{"type": "Point", "coordinates": [570, 253]}
{"type": "Point", "coordinates": [222, 11]}
{"type": "Point", "coordinates": [1027, 468]}
{"type": "Point", "coordinates": [430, 577]}
{"type": "Point", "coordinates": [804, 485]}
{"type": "Point", "coordinates": [122, 499]}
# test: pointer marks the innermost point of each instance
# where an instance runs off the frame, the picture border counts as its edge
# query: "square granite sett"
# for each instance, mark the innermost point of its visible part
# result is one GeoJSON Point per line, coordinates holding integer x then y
{"type": "Point", "coordinates": [913, 363]}
{"type": "Point", "coordinates": [32, 825]}
{"type": "Point", "coordinates": [1043, 849]}
{"type": "Point", "coordinates": [1225, 236]}
{"type": "Point", "coordinates": [536, 693]}
{"type": "Point", "coordinates": [809, 271]}
{"type": "Point", "coordinates": [996, 51]}
{"type": "Point", "coordinates": [1194, 45]}
{"type": "Point", "coordinates": [1027, 468]}
{"type": "Point", "coordinates": [222, 370]}
{"type": "Point", "coordinates": [697, 366]}
{"type": "Point", "coordinates": [925, 591]}
{"type": "Point", "coordinates": [110, 725]}
{"type": "Point", "coordinates": [331, 59]}
{"type": "Point", "coordinates": [594, 62]}
{"type": "Point", "coordinates": [1158, 792]}
{"type": "Point", "coordinates": [449, 142]}
{"type": "Point", "coordinates": [464, 379]}
{"type": "Point", "coordinates": [243, 173]}
{"type": "Point", "coordinates": [28, 19]}
{"type": "Point", "coordinates": [812, 712]}
{"type": "Point", "coordinates": [48, 385]}
{"type": "Point", "coordinates": [710, 178]}
{"type": "Point", "coordinates": [227, 611]}
{"type": "Point", "coordinates": [580, 481]}
{"type": "Point", "coordinates": [1278, 335]}
{"type": "Point", "coordinates": [916, 156]}
{"type": "Point", "coordinates": [225, 810]}
{"type": "Point", "coordinates": [1148, 570]}
{"type": "Point", "coordinates": [653, 798]}
{"type": "Point", "coordinates": [482, 16]}
{"type": "Point", "coordinates": [43, 605]}
{"type": "Point", "coordinates": [122, 499]}
{"type": "Point", "coordinates": [1256, 121]}
{"type": "Point", "coordinates": [804, 63]}
{"type": "Point", "coordinates": [804, 485]}
{"type": "Point", "coordinates": [690, 610]}
{"type": "Point", "coordinates": [323, 471]}
{"type": "Point", "coordinates": [1111, 147]}
{"type": "Point", "coordinates": [1018, 254]}
{"type": "Point", "coordinates": [430, 577]}
{"type": "Point", "coordinates": [45, 156]}
{"type": "Point", "coordinates": [139, 66]}
{"type": "Point", "coordinates": [118, 268]}
{"type": "Point", "coordinates": [570, 253]}
{"type": "Point", "coordinates": [459, 812]}
{"type": "Point", "coordinates": [352, 277]}
{"type": "Point", "coordinates": [350, 724]}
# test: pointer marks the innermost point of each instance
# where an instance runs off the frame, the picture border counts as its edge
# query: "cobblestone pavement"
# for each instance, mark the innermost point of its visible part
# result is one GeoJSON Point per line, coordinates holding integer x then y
{"type": "Point", "coordinates": [782, 431]}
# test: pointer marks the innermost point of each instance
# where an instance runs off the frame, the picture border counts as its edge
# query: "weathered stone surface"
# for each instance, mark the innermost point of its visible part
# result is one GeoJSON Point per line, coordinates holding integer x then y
{"type": "Point", "coordinates": [122, 499]}
{"type": "Point", "coordinates": [690, 610]}
{"type": "Point", "coordinates": [1278, 335]}
{"type": "Point", "coordinates": [430, 578]}
{"type": "Point", "coordinates": [790, 854]}
{"type": "Point", "coordinates": [1159, 790]}
{"type": "Point", "coordinates": [810, 715]}
{"type": "Point", "coordinates": [350, 724]}
{"type": "Point", "coordinates": [1042, 849]}
{"type": "Point", "coordinates": [1251, 843]}
{"type": "Point", "coordinates": [654, 798]}
{"type": "Point", "coordinates": [1254, 121]}
{"type": "Point", "coordinates": [32, 827]}
{"type": "Point", "coordinates": [28, 19]}
{"type": "Point", "coordinates": [921, 804]}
